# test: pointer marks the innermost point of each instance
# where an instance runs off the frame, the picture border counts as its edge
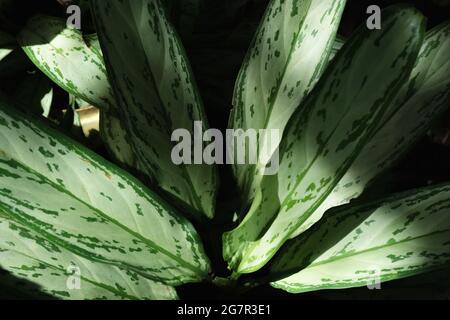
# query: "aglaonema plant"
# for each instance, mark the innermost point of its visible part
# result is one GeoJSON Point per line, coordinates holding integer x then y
{"type": "Point", "coordinates": [349, 109]}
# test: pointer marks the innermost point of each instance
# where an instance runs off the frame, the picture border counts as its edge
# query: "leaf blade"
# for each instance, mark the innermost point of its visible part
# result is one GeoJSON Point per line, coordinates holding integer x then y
{"type": "Point", "coordinates": [156, 98]}
{"type": "Point", "coordinates": [39, 163]}
{"type": "Point", "coordinates": [59, 52]}
{"type": "Point", "coordinates": [422, 99]}
{"type": "Point", "coordinates": [412, 236]}
{"type": "Point", "coordinates": [34, 259]}
{"type": "Point", "coordinates": [324, 137]}
{"type": "Point", "coordinates": [287, 58]}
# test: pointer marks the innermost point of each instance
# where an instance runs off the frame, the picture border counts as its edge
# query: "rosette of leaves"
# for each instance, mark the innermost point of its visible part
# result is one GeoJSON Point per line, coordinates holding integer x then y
{"type": "Point", "coordinates": [348, 109]}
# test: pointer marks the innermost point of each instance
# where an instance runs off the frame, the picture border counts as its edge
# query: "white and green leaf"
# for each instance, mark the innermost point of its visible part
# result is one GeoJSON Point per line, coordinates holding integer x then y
{"type": "Point", "coordinates": [76, 65]}
{"type": "Point", "coordinates": [112, 128]}
{"type": "Point", "coordinates": [78, 201]}
{"type": "Point", "coordinates": [421, 99]}
{"type": "Point", "coordinates": [362, 245]}
{"type": "Point", "coordinates": [325, 136]}
{"type": "Point", "coordinates": [155, 88]}
{"type": "Point", "coordinates": [62, 54]}
{"type": "Point", "coordinates": [288, 56]}
{"type": "Point", "coordinates": [41, 266]}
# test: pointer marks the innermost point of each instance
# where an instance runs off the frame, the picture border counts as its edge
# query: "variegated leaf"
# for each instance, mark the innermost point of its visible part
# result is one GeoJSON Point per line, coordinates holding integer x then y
{"type": "Point", "coordinates": [39, 265]}
{"type": "Point", "coordinates": [324, 138]}
{"type": "Point", "coordinates": [93, 43]}
{"type": "Point", "coordinates": [76, 65]}
{"type": "Point", "coordinates": [156, 91]}
{"type": "Point", "coordinates": [62, 54]}
{"type": "Point", "coordinates": [287, 58]}
{"type": "Point", "coordinates": [367, 244]}
{"type": "Point", "coordinates": [421, 99]}
{"type": "Point", "coordinates": [76, 200]}
{"type": "Point", "coordinates": [111, 127]}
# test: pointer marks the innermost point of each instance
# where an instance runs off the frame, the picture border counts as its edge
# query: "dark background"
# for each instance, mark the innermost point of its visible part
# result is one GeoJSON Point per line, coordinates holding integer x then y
{"type": "Point", "coordinates": [216, 46]}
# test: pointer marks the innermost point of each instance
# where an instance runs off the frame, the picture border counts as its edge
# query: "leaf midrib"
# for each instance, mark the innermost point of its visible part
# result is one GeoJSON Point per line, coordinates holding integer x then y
{"type": "Point", "coordinates": [356, 253]}
{"type": "Point", "coordinates": [252, 173]}
{"type": "Point", "coordinates": [185, 173]}
{"type": "Point", "coordinates": [115, 222]}
{"type": "Point", "coordinates": [321, 199]}
{"type": "Point", "coordinates": [30, 53]}
{"type": "Point", "coordinates": [103, 286]}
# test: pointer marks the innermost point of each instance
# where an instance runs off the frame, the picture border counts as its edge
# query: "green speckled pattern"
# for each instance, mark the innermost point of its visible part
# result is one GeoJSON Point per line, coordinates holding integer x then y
{"type": "Point", "coordinates": [75, 63]}
{"type": "Point", "coordinates": [287, 58]}
{"type": "Point", "coordinates": [361, 245]}
{"type": "Point", "coordinates": [421, 99]}
{"type": "Point", "coordinates": [64, 193]}
{"type": "Point", "coordinates": [34, 259]}
{"type": "Point", "coordinates": [157, 94]}
{"type": "Point", "coordinates": [325, 136]}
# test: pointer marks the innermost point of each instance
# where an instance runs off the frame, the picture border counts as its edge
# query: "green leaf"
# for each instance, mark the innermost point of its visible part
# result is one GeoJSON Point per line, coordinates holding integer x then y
{"type": "Point", "coordinates": [288, 55]}
{"type": "Point", "coordinates": [111, 127]}
{"type": "Point", "coordinates": [361, 245]}
{"type": "Point", "coordinates": [81, 203]}
{"type": "Point", "coordinates": [325, 136]}
{"type": "Point", "coordinates": [94, 44]}
{"type": "Point", "coordinates": [421, 99]}
{"type": "Point", "coordinates": [41, 266]}
{"type": "Point", "coordinates": [155, 88]}
{"type": "Point", "coordinates": [77, 66]}
{"type": "Point", "coordinates": [62, 54]}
